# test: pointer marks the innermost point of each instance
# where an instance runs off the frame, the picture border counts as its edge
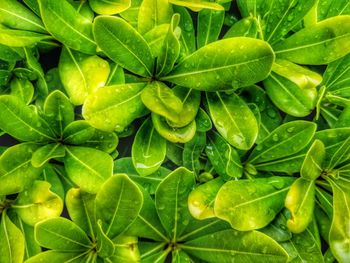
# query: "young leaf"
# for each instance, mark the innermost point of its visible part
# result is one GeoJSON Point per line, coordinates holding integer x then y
{"type": "Point", "coordinates": [190, 99]}
{"type": "Point", "coordinates": [249, 205]}
{"type": "Point", "coordinates": [81, 74]}
{"type": "Point", "coordinates": [38, 203]}
{"type": "Point", "coordinates": [126, 249]}
{"type": "Point", "coordinates": [67, 25]}
{"type": "Point", "coordinates": [123, 44]}
{"type": "Point", "coordinates": [61, 234]}
{"type": "Point", "coordinates": [292, 88]}
{"type": "Point", "coordinates": [300, 201]}
{"type": "Point", "coordinates": [319, 44]}
{"type": "Point", "coordinates": [241, 127]}
{"type": "Point", "coordinates": [160, 99]}
{"type": "Point", "coordinates": [109, 7]}
{"type": "Point", "coordinates": [229, 245]}
{"type": "Point", "coordinates": [313, 162]}
{"type": "Point", "coordinates": [171, 201]}
{"type": "Point", "coordinates": [20, 38]}
{"type": "Point", "coordinates": [170, 49]}
{"type": "Point", "coordinates": [118, 203]}
{"type": "Point", "coordinates": [286, 140]}
{"type": "Point", "coordinates": [78, 132]}
{"type": "Point", "coordinates": [153, 13]}
{"type": "Point", "coordinates": [87, 167]}
{"type": "Point", "coordinates": [197, 5]}
{"type": "Point", "coordinates": [175, 135]}
{"type": "Point", "coordinates": [22, 122]}
{"type": "Point", "coordinates": [103, 141]}
{"type": "Point", "coordinates": [11, 241]}
{"type": "Point", "coordinates": [224, 65]}
{"type": "Point", "coordinates": [246, 27]}
{"type": "Point", "coordinates": [114, 107]}
{"type": "Point", "coordinates": [201, 199]}
{"type": "Point", "coordinates": [148, 149]}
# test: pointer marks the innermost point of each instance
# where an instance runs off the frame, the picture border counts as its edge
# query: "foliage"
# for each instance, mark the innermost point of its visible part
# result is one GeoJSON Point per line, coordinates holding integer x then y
{"type": "Point", "coordinates": [175, 131]}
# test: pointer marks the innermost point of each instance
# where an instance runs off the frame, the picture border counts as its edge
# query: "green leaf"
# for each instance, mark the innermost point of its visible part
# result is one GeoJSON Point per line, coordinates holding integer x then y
{"type": "Point", "coordinates": [38, 203]}
{"type": "Point", "coordinates": [20, 38]}
{"type": "Point", "coordinates": [255, 8]}
{"type": "Point", "coordinates": [313, 162]}
{"type": "Point", "coordinates": [103, 141]}
{"type": "Point", "coordinates": [118, 203]}
{"type": "Point", "coordinates": [87, 167]}
{"type": "Point", "coordinates": [203, 121]}
{"type": "Point", "coordinates": [16, 171]}
{"type": "Point", "coordinates": [160, 99]}
{"type": "Point", "coordinates": [31, 247]}
{"type": "Point", "coordinates": [341, 155]}
{"type": "Point", "coordinates": [277, 229]}
{"type": "Point", "coordinates": [147, 223]}
{"type": "Point", "coordinates": [66, 25]}
{"type": "Point", "coordinates": [54, 256]}
{"type": "Point", "coordinates": [171, 201]}
{"type": "Point", "coordinates": [209, 25]}
{"type": "Point", "coordinates": [105, 246]}
{"type": "Point", "coordinates": [78, 132]}
{"type": "Point", "coordinates": [192, 152]}
{"type": "Point", "coordinates": [81, 74]}
{"type": "Point", "coordinates": [109, 7]}
{"type": "Point", "coordinates": [190, 99]}
{"type": "Point", "coordinates": [201, 199]}
{"type": "Point", "coordinates": [223, 157]}
{"type": "Point", "coordinates": [155, 38]}
{"type": "Point", "coordinates": [283, 16]}
{"type": "Point", "coordinates": [231, 245]}
{"type": "Point", "coordinates": [187, 36]}
{"type": "Point", "coordinates": [61, 234]}
{"type": "Point", "coordinates": [339, 236]}
{"type": "Point", "coordinates": [285, 140]}
{"type": "Point", "coordinates": [148, 149]}
{"type": "Point", "coordinates": [330, 8]}
{"type": "Point", "coordinates": [149, 182]}
{"type": "Point", "coordinates": [318, 44]}
{"type": "Point", "coordinates": [196, 6]}
{"type": "Point", "coordinates": [23, 89]}
{"type": "Point", "coordinates": [58, 111]}
{"type": "Point", "coordinates": [172, 134]}
{"type": "Point", "coordinates": [240, 127]}
{"type": "Point", "coordinates": [81, 209]}
{"type": "Point", "coordinates": [11, 241]}
{"type": "Point", "coordinates": [249, 205]}
{"type": "Point", "coordinates": [179, 256]}
{"type": "Point", "coordinates": [123, 44]}
{"type": "Point", "coordinates": [292, 88]}
{"type": "Point", "coordinates": [246, 27]}
{"type": "Point", "coordinates": [114, 107]}
{"type": "Point", "coordinates": [126, 250]}
{"type": "Point", "coordinates": [33, 64]}
{"type": "Point", "coordinates": [300, 201]}
{"type": "Point", "coordinates": [46, 153]}
{"type": "Point", "coordinates": [170, 49]}
{"type": "Point", "coordinates": [153, 13]}
{"type": "Point", "coordinates": [22, 122]}
{"type": "Point", "coordinates": [224, 65]}
{"type": "Point", "coordinates": [16, 16]}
